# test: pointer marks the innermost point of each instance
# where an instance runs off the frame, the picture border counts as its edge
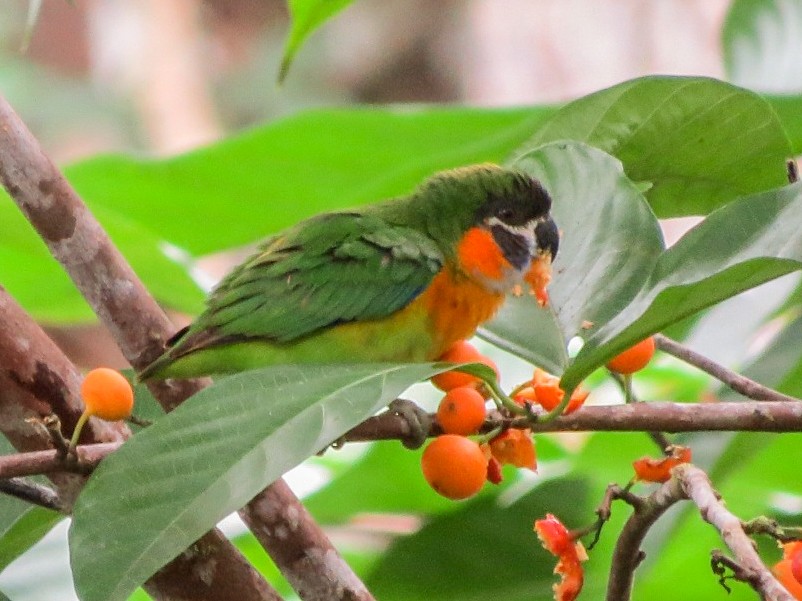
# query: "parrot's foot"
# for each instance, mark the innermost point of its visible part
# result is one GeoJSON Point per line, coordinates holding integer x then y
{"type": "Point", "coordinates": [419, 422]}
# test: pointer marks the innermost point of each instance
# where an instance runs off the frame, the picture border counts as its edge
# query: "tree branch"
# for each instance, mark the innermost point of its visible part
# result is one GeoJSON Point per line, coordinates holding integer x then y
{"type": "Point", "coordinates": [137, 323]}
{"type": "Point", "coordinates": [697, 487]}
{"type": "Point", "coordinates": [309, 561]}
{"type": "Point", "coordinates": [36, 379]}
{"type": "Point", "coordinates": [739, 383]}
{"type": "Point", "coordinates": [637, 417]}
{"type": "Point", "coordinates": [754, 416]}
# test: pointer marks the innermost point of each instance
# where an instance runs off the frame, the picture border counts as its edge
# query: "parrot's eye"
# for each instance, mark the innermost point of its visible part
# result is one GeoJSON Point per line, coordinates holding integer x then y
{"type": "Point", "coordinates": [506, 215]}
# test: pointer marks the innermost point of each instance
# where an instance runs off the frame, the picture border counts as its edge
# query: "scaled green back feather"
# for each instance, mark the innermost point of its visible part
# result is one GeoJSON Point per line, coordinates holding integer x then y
{"type": "Point", "coordinates": [320, 273]}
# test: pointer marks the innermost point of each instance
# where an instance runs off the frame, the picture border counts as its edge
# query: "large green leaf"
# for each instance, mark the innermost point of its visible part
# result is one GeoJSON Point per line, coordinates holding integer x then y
{"type": "Point", "coordinates": [761, 41]}
{"type": "Point", "coordinates": [238, 191]}
{"type": "Point", "coordinates": [174, 480]}
{"type": "Point", "coordinates": [740, 246]}
{"type": "Point", "coordinates": [306, 15]}
{"type": "Point", "coordinates": [598, 268]}
{"type": "Point", "coordinates": [690, 138]}
{"type": "Point", "coordinates": [789, 110]}
{"type": "Point", "coordinates": [483, 550]}
{"type": "Point", "coordinates": [162, 213]}
{"type": "Point", "coordinates": [40, 285]}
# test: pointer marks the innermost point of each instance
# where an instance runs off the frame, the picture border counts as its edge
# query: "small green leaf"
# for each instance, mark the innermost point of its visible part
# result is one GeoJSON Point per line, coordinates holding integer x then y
{"type": "Point", "coordinates": [27, 529]}
{"type": "Point", "coordinates": [306, 15]}
{"type": "Point", "coordinates": [700, 142]}
{"type": "Point", "coordinates": [176, 479]}
{"type": "Point", "coordinates": [598, 269]}
{"type": "Point", "coordinates": [761, 45]}
{"type": "Point", "coordinates": [746, 243]}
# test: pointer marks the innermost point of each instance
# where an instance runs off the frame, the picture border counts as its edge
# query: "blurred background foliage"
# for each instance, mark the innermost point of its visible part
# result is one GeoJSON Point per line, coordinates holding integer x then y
{"type": "Point", "coordinates": [127, 93]}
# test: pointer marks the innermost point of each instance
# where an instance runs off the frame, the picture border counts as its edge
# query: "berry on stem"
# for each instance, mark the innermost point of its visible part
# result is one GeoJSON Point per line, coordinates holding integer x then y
{"type": "Point", "coordinates": [107, 395]}
{"type": "Point", "coordinates": [634, 358]}
{"type": "Point", "coordinates": [454, 466]}
{"type": "Point", "coordinates": [462, 411]}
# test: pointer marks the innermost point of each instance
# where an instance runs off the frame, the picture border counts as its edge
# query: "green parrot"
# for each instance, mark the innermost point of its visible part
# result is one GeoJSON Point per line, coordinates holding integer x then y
{"type": "Point", "coordinates": [400, 280]}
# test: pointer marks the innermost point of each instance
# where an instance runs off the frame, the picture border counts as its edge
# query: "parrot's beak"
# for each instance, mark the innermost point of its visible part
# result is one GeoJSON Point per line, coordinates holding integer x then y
{"type": "Point", "coordinates": [547, 238]}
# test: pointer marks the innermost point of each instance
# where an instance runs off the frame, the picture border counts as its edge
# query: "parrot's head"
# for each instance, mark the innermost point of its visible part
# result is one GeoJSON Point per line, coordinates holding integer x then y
{"type": "Point", "coordinates": [496, 222]}
{"type": "Point", "coordinates": [516, 213]}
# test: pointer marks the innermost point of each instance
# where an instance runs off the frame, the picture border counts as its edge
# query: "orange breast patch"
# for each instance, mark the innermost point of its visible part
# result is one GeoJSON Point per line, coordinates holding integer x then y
{"type": "Point", "coordinates": [479, 254]}
{"type": "Point", "coordinates": [456, 306]}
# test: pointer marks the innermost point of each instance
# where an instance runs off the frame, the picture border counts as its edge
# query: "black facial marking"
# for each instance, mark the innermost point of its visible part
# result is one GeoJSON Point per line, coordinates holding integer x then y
{"type": "Point", "coordinates": [515, 247]}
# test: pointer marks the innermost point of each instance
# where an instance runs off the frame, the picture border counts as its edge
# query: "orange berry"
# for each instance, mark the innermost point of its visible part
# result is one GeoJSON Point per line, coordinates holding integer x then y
{"type": "Point", "coordinates": [462, 411]}
{"type": "Point", "coordinates": [783, 570]}
{"type": "Point", "coordinates": [461, 352]}
{"type": "Point", "coordinates": [454, 466]}
{"type": "Point", "coordinates": [515, 447]}
{"type": "Point", "coordinates": [634, 358]}
{"type": "Point", "coordinates": [107, 394]}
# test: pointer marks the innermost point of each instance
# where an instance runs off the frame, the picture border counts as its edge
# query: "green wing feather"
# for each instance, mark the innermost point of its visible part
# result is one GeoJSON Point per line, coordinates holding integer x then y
{"type": "Point", "coordinates": [331, 269]}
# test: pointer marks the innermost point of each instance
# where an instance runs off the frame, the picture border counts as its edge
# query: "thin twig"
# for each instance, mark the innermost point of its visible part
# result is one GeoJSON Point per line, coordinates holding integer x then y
{"type": "Point", "coordinates": [697, 487]}
{"type": "Point", "coordinates": [37, 380]}
{"type": "Point", "coordinates": [628, 555]}
{"type": "Point", "coordinates": [770, 527]}
{"type": "Point", "coordinates": [33, 492]}
{"type": "Point", "coordinates": [53, 425]}
{"type": "Point", "coordinates": [739, 383]}
{"type": "Point", "coordinates": [50, 461]}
